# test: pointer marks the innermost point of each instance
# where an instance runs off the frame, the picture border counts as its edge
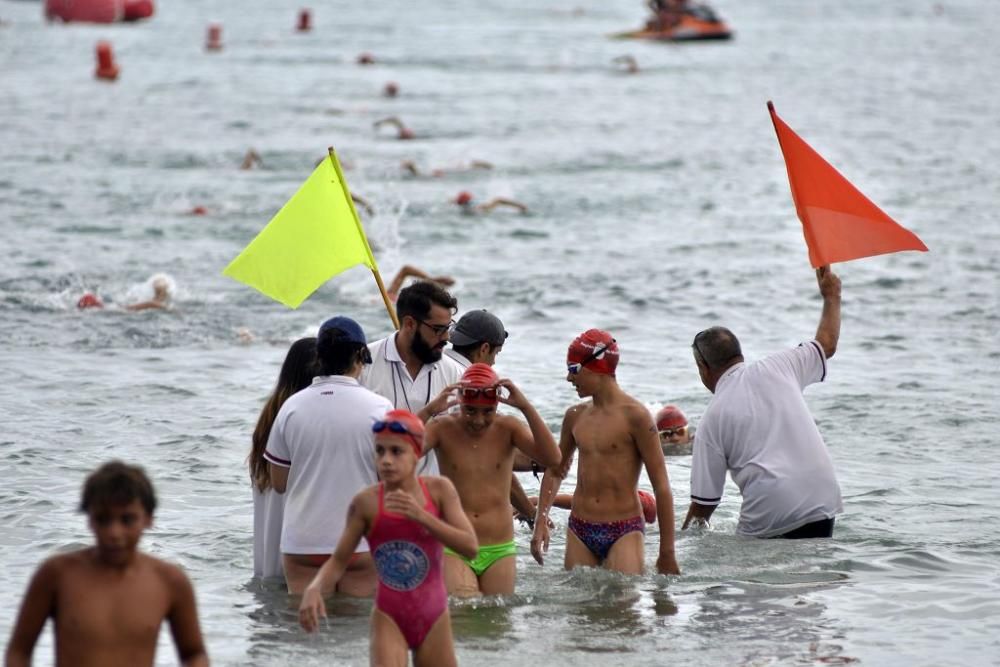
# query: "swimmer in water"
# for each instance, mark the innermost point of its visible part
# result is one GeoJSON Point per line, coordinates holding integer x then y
{"type": "Point", "coordinates": [403, 133]}
{"type": "Point", "coordinates": [475, 449]}
{"type": "Point", "coordinates": [251, 159]}
{"type": "Point", "coordinates": [616, 437]}
{"type": "Point", "coordinates": [161, 295]}
{"type": "Point", "coordinates": [465, 200]}
{"type": "Point", "coordinates": [411, 167]}
{"type": "Point", "coordinates": [630, 64]}
{"type": "Point", "coordinates": [405, 519]}
{"type": "Point", "coordinates": [409, 271]}
{"type": "Point", "coordinates": [675, 434]}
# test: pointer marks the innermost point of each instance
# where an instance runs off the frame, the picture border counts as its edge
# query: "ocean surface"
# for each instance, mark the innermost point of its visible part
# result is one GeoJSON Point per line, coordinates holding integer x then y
{"type": "Point", "coordinates": [659, 205]}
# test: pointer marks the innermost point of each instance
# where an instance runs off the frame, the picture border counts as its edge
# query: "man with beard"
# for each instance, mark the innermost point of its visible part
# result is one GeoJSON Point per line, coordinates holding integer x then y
{"type": "Point", "coordinates": [408, 367]}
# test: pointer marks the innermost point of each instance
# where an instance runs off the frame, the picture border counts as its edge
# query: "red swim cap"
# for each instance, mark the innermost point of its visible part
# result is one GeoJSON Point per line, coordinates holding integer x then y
{"type": "Point", "coordinates": [479, 385]}
{"type": "Point", "coordinates": [403, 422]}
{"type": "Point", "coordinates": [464, 197]}
{"type": "Point", "coordinates": [648, 503]}
{"type": "Point", "coordinates": [670, 417]}
{"type": "Point", "coordinates": [89, 300]}
{"type": "Point", "coordinates": [596, 350]}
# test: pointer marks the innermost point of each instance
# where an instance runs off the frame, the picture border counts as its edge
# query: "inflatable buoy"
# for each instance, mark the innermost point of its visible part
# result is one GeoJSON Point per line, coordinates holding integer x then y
{"type": "Point", "coordinates": [214, 40]}
{"type": "Point", "coordinates": [305, 21]}
{"type": "Point", "coordinates": [106, 67]}
{"type": "Point", "coordinates": [98, 11]}
{"type": "Point", "coordinates": [136, 10]}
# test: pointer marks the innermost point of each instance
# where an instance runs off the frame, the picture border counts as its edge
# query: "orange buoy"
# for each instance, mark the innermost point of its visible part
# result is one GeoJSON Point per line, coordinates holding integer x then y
{"type": "Point", "coordinates": [199, 210]}
{"type": "Point", "coordinates": [106, 67]}
{"type": "Point", "coordinates": [305, 21]}
{"type": "Point", "coordinates": [214, 40]}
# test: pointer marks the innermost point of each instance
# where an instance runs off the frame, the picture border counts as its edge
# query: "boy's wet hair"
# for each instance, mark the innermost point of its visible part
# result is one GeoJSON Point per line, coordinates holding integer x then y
{"type": "Point", "coordinates": [116, 483]}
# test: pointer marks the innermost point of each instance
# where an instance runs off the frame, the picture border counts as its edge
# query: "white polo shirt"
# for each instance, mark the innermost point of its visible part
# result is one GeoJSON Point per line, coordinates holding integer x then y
{"type": "Point", "coordinates": [388, 377]}
{"type": "Point", "coordinates": [323, 434]}
{"type": "Point", "coordinates": [759, 428]}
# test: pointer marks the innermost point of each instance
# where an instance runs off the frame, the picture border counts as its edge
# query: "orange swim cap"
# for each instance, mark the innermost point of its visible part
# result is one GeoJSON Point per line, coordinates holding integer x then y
{"type": "Point", "coordinates": [479, 386]}
{"type": "Point", "coordinates": [89, 300]}
{"type": "Point", "coordinates": [464, 197]}
{"type": "Point", "coordinates": [670, 417]}
{"type": "Point", "coordinates": [594, 350]}
{"type": "Point", "coordinates": [403, 422]}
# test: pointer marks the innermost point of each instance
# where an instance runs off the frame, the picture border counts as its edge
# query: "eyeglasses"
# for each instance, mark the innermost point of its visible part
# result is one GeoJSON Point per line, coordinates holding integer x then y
{"type": "Point", "coordinates": [438, 329]}
{"type": "Point", "coordinates": [670, 432]}
{"type": "Point", "coordinates": [599, 349]}
{"type": "Point", "coordinates": [394, 427]}
{"type": "Point", "coordinates": [472, 393]}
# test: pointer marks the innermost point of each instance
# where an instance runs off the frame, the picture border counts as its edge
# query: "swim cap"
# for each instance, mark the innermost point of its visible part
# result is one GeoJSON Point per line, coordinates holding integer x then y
{"type": "Point", "coordinates": [479, 386]}
{"type": "Point", "coordinates": [464, 197]}
{"type": "Point", "coordinates": [89, 300]}
{"type": "Point", "coordinates": [595, 350]}
{"type": "Point", "coordinates": [403, 422]}
{"type": "Point", "coordinates": [670, 417]}
{"type": "Point", "coordinates": [648, 503]}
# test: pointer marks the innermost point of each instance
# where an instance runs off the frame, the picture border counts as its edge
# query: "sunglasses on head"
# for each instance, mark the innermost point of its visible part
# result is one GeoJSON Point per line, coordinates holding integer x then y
{"type": "Point", "coordinates": [394, 427]}
{"type": "Point", "coordinates": [472, 393]}
{"type": "Point", "coordinates": [668, 432]}
{"type": "Point", "coordinates": [575, 368]}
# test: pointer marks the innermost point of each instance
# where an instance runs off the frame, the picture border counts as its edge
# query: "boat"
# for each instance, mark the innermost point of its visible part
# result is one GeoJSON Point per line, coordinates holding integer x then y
{"type": "Point", "coordinates": [98, 11]}
{"type": "Point", "coordinates": [697, 23]}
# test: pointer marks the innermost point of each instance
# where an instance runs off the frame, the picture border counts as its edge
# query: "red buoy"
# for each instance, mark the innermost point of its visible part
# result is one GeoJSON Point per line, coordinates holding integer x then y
{"type": "Point", "coordinates": [214, 40]}
{"type": "Point", "coordinates": [305, 21]}
{"type": "Point", "coordinates": [106, 67]}
{"type": "Point", "coordinates": [391, 89]}
{"type": "Point", "coordinates": [366, 59]}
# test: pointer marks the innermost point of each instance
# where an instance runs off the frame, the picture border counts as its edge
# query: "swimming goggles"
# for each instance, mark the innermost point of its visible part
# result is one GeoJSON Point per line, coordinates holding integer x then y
{"type": "Point", "coordinates": [668, 432]}
{"type": "Point", "coordinates": [393, 426]}
{"type": "Point", "coordinates": [472, 393]}
{"type": "Point", "coordinates": [599, 349]}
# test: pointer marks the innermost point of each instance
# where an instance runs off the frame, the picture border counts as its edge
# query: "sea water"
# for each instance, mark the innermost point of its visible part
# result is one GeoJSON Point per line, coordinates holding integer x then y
{"type": "Point", "coordinates": [659, 205]}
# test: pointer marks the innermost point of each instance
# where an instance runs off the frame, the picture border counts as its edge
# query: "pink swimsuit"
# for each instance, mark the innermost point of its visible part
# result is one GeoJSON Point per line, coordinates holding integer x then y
{"type": "Point", "coordinates": [409, 561]}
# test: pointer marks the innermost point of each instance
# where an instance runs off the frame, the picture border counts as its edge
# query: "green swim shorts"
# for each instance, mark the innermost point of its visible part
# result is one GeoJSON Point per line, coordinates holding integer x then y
{"type": "Point", "coordinates": [488, 554]}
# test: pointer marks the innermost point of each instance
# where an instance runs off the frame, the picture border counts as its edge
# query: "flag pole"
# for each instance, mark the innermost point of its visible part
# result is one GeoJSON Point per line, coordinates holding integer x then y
{"type": "Point", "coordinates": [350, 202]}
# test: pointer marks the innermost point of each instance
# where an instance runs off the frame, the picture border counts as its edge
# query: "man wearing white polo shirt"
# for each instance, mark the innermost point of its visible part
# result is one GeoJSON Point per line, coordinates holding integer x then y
{"type": "Point", "coordinates": [759, 428]}
{"type": "Point", "coordinates": [321, 452]}
{"type": "Point", "coordinates": [408, 367]}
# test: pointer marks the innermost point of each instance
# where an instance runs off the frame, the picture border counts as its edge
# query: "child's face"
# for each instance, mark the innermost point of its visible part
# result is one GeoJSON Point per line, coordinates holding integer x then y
{"type": "Point", "coordinates": [478, 418]}
{"type": "Point", "coordinates": [117, 529]}
{"type": "Point", "coordinates": [394, 456]}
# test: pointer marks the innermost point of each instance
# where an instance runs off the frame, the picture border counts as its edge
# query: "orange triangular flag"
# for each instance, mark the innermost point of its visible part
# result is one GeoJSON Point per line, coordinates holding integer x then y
{"type": "Point", "coordinates": [839, 222]}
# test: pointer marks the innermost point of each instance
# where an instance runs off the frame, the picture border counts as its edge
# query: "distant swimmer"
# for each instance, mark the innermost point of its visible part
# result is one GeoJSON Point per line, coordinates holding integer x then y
{"type": "Point", "coordinates": [409, 271]}
{"type": "Point", "coordinates": [365, 58]}
{"type": "Point", "coordinates": [758, 428]}
{"type": "Point", "coordinates": [363, 203]}
{"type": "Point", "coordinates": [465, 200]}
{"type": "Point", "coordinates": [161, 295]}
{"type": "Point", "coordinates": [406, 520]}
{"type": "Point", "coordinates": [89, 300]}
{"type": "Point", "coordinates": [475, 449]}
{"type": "Point", "coordinates": [108, 601]}
{"type": "Point", "coordinates": [616, 437]}
{"type": "Point", "coordinates": [411, 167]}
{"type": "Point", "coordinates": [402, 132]}
{"type": "Point", "coordinates": [251, 159]}
{"type": "Point", "coordinates": [630, 64]}
{"type": "Point", "coordinates": [391, 89]}
{"type": "Point", "coordinates": [675, 434]}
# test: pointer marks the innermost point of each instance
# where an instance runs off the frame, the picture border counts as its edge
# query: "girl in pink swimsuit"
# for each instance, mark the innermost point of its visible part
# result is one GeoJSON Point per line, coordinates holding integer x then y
{"type": "Point", "coordinates": [406, 520]}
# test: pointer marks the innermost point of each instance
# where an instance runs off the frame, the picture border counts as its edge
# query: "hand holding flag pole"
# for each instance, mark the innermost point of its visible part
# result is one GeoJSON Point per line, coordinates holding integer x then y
{"type": "Point", "coordinates": [316, 235]}
{"type": "Point", "coordinates": [838, 221]}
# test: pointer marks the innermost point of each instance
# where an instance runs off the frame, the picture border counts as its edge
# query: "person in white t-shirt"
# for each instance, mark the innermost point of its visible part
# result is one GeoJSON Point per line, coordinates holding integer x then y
{"type": "Point", "coordinates": [408, 367]}
{"type": "Point", "coordinates": [321, 453]}
{"type": "Point", "coordinates": [758, 427]}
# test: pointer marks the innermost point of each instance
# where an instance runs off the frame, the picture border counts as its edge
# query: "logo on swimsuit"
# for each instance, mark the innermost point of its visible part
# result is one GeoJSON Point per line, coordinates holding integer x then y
{"type": "Point", "coordinates": [402, 566]}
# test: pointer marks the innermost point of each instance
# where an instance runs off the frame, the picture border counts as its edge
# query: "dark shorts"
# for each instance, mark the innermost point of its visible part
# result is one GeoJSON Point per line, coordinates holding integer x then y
{"type": "Point", "coordinates": [821, 528]}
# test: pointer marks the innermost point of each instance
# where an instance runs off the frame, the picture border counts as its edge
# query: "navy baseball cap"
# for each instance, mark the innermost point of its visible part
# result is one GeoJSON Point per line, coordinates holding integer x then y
{"type": "Point", "coordinates": [478, 326]}
{"type": "Point", "coordinates": [354, 332]}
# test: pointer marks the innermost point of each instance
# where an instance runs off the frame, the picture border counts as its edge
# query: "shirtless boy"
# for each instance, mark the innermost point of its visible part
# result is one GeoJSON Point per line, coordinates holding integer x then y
{"type": "Point", "coordinates": [616, 436]}
{"type": "Point", "coordinates": [476, 452]}
{"type": "Point", "coordinates": [107, 601]}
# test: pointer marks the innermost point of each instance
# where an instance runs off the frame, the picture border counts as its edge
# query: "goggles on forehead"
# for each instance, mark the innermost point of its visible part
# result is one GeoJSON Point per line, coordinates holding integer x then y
{"type": "Point", "coordinates": [599, 350]}
{"type": "Point", "coordinates": [472, 393]}
{"type": "Point", "coordinates": [394, 427]}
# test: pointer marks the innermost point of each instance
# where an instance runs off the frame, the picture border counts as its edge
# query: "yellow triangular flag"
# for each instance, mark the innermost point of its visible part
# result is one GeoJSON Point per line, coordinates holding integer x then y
{"type": "Point", "coordinates": [314, 236]}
